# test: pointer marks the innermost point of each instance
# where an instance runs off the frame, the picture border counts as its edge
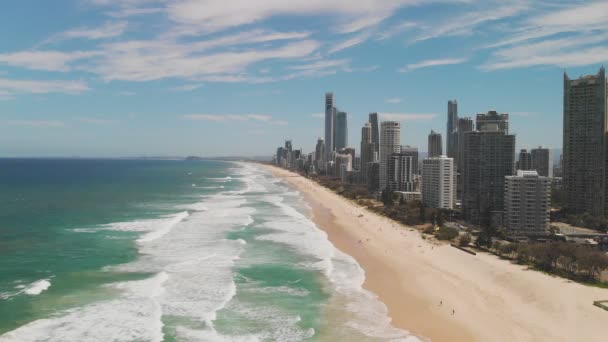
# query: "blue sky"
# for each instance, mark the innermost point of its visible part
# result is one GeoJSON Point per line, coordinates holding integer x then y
{"type": "Point", "coordinates": [237, 77]}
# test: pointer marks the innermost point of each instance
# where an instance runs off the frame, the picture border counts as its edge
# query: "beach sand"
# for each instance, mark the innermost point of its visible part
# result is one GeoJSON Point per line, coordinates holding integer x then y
{"type": "Point", "coordinates": [440, 293]}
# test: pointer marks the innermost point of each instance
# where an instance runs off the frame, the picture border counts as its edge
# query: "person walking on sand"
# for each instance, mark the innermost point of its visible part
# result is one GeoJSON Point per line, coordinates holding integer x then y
{"type": "Point", "coordinates": [453, 312]}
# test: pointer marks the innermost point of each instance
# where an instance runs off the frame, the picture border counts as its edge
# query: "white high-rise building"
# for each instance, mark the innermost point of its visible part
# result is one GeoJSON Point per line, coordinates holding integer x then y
{"type": "Point", "coordinates": [390, 143]}
{"type": "Point", "coordinates": [330, 121]}
{"type": "Point", "coordinates": [438, 188]}
{"type": "Point", "coordinates": [527, 203]}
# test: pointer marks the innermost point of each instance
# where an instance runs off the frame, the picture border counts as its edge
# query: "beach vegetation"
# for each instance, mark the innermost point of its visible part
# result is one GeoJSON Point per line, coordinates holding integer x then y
{"type": "Point", "coordinates": [572, 261]}
{"type": "Point", "coordinates": [446, 233]}
{"type": "Point", "coordinates": [464, 240]}
{"type": "Point", "coordinates": [430, 229]}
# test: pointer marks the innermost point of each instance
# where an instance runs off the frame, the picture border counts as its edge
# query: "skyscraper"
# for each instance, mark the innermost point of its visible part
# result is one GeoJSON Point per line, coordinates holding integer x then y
{"type": "Point", "coordinates": [584, 150]}
{"type": "Point", "coordinates": [373, 120]}
{"type": "Point", "coordinates": [542, 162]}
{"type": "Point", "coordinates": [412, 151]}
{"type": "Point", "coordinates": [492, 117]}
{"type": "Point", "coordinates": [438, 175]}
{"type": "Point", "coordinates": [367, 149]}
{"type": "Point", "coordinates": [341, 131]}
{"type": "Point", "coordinates": [329, 125]}
{"type": "Point", "coordinates": [390, 140]}
{"type": "Point", "coordinates": [464, 125]}
{"type": "Point", "coordinates": [320, 154]}
{"type": "Point", "coordinates": [527, 203]}
{"type": "Point", "coordinates": [452, 129]}
{"type": "Point", "coordinates": [489, 156]}
{"type": "Point", "coordinates": [400, 173]}
{"type": "Point", "coordinates": [525, 160]}
{"type": "Point", "coordinates": [435, 144]}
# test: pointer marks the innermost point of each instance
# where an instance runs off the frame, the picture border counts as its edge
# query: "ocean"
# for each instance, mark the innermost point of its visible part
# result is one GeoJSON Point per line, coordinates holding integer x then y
{"type": "Point", "coordinates": [171, 250]}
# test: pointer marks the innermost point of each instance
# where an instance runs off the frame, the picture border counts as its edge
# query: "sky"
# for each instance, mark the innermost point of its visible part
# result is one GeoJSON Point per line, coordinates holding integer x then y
{"type": "Point", "coordinates": [110, 78]}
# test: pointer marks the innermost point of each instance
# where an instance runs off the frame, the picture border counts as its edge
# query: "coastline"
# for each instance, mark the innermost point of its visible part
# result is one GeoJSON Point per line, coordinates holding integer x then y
{"type": "Point", "coordinates": [421, 282]}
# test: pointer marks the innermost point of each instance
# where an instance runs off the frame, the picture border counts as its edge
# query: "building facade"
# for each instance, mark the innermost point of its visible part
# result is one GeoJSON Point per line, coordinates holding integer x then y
{"type": "Point", "coordinates": [464, 125]}
{"type": "Point", "coordinates": [412, 151]}
{"type": "Point", "coordinates": [438, 188]}
{"type": "Point", "coordinates": [373, 121]}
{"type": "Point", "coordinates": [527, 203]}
{"type": "Point", "coordinates": [584, 150]}
{"type": "Point", "coordinates": [435, 145]}
{"type": "Point", "coordinates": [341, 130]}
{"type": "Point", "coordinates": [542, 162]}
{"type": "Point", "coordinates": [390, 143]}
{"type": "Point", "coordinates": [452, 129]}
{"type": "Point", "coordinates": [525, 160]}
{"type": "Point", "coordinates": [489, 156]}
{"type": "Point", "coordinates": [367, 149]}
{"type": "Point", "coordinates": [330, 120]}
{"type": "Point", "coordinates": [400, 173]}
{"type": "Point", "coordinates": [492, 117]}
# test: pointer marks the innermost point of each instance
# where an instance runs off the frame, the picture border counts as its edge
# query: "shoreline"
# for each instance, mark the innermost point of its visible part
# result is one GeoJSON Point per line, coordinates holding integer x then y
{"type": "Point", "coordinates": [421, 282]}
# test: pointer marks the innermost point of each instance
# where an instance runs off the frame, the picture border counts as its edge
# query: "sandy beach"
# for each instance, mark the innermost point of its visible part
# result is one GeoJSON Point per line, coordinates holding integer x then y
{"type": "Point", "coordinates": [440, 293]}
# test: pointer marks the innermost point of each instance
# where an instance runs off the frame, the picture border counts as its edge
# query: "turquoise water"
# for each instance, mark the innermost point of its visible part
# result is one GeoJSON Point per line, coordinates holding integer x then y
{"type": "Point", "coordinates": [132, 250]}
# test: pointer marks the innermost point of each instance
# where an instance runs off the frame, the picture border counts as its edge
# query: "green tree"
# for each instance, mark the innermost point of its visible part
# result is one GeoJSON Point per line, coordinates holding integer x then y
{"type": "Point", "coordinates": [464, 240]}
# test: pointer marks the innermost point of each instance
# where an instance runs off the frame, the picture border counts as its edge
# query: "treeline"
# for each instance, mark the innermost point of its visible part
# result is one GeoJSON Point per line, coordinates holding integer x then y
{"type": "Point", "coordinates": [561, 258]}
{"type": "Point", "coordinates": [578, 220]}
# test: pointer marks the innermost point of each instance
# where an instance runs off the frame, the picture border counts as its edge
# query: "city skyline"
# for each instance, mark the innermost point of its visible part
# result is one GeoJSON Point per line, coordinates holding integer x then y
{"type": "Point", "coordinates": [70, 84]}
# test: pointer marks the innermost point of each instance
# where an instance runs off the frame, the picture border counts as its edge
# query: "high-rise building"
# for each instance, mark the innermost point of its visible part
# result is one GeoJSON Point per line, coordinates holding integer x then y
{"type": "Point", "coordinates": [367, 149]}
{"type": "Point", "coordinates": [527, 203]}
{"type": "Point", "coordinates": [373, 121]}
{"type": "Point", "coordinates": [343, 165]}
{"type": "Point", "coordinates": [373, 176]}
{"type": "Point", "coordinates": [464, 125]}
{"type": "Point", "coordinates": [435, 145]}
{"type": "Point", "coordinates": [341, 131]}
{"type": "Point", "coordinates": [349, 150]}
{"type": "Point", "coordinates": [412, 151]}
{"type": "Point", "coordinates": [320, 155]}
{"type": "Point", "coordinates": [525, 160]}
{"type": "Point", "coordinates": [542, 162]}
{"type": "Point", "coordinates": [288, 145]}
{"type": "Point", "coordinates": [390, 143]}
{"type": "Point", "coordinates": [584, 150]}
{"type": "Point", "coordinates": [492, 117]}
{"type": "Point", "coordinates": [438, 175]}
{"type": "Point", "coordinates": [452, 129]}
{"type": "Point", "coordinates": [400, 173]}
{"type": "Point", "coordinates": [489, 156]}
{"type": "Point", "coordinates": [330, 114]}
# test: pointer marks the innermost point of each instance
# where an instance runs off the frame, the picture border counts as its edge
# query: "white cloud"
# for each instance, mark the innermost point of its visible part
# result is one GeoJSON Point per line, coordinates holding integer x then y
{"type": "Point", "coordinates": [260, 118]}
{"type": "Point", "coordinates": [45, 60]}
{"type": "Point", "coordinates": [573, 35]}
{"type": "Point", "coordinates": [394, 100]}
{"type": "Point", "coordinates": [108, 30]}
{"type": "Point", "coordinates": [354, 41]}
{"type": "Point", "coordinates": [36, 123]}
{"type": "Point", "coordinates": [11, 86]}
{"type": "Point", "coordinates": [406, 116]}
{"type": "Point", "coordinates": [139, 62]}
{"type": "Point", "coordinates": [96, 121]}
{"type": "Point", "coordinates": [187, 87]}
{"type": "Point", "coordinates": [569, 51]}
{"type": "Point", "coordinates": [465, 23]}
{"type": "Point", "coordinates": [213, 15]}
{"type": "Point", "coordinates": [318, 115]}
{"type": "Point", "coordinates": [432, 63]}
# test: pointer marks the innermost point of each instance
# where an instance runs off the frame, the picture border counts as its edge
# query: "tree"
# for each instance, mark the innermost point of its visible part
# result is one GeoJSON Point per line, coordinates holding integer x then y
{"type": "Point", "coordinates": [465, 240]}
{"type": "Point", "coordinates": [422, 210]}
{"type": "Point", "coordinates": [402, 201]}
{"type": "Point", "coordinates": [387, 197]}
{"type": "Point", "coordinates": [440, 218]}
{"type": "Point", "coordinates": [446, 233]}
